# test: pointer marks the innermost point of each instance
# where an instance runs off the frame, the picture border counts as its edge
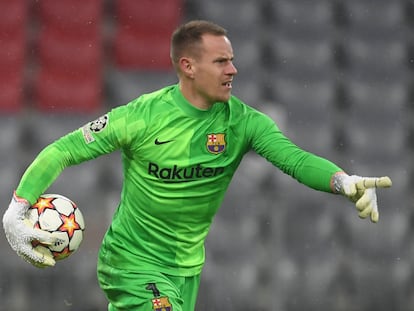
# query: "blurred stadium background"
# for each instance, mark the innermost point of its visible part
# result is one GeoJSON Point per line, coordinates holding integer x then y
{"type": "Point", "coordinates": [336, 75]}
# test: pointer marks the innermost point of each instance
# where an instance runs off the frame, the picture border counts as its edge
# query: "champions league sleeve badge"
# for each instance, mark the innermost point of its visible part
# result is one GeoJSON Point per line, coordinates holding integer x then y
{"type": "Point", "coordinates": [99, 124]}
{"type": "Point", "coordinates": [94, 127]}
{"type": "Point", "coordinates": [216, 143]}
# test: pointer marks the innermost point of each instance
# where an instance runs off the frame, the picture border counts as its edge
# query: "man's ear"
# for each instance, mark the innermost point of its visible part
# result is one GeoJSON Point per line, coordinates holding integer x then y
{"type": "Point", "coordinates": [186, 66]}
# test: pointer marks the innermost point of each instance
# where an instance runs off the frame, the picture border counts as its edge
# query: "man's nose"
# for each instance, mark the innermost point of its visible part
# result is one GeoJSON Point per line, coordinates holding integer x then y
{"type": "Point", "coordinates": [232, 69]}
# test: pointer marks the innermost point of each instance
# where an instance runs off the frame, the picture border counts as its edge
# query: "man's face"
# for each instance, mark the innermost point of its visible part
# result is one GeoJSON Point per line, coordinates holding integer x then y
{"type": "Point", "coordinates": [213, 70]}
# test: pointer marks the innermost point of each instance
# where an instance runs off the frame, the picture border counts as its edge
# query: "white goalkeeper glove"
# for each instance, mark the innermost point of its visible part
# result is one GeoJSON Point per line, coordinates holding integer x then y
{"type": "Point", "coordinates": [20, 234]}
{"type": "Point", "coordinates": [361, 191]}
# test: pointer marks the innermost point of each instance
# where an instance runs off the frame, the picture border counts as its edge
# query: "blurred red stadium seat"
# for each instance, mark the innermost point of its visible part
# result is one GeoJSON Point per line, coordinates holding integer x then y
{"type": "Point", "coordinates": [74, 94]}
{"type": "Point", "coordinates": [13, 17]}
{"type": "Point", "coordinates": [11, 93]}
{"type": "Point", "coordinates": [142, 50]}
{"type": "Point", "coordinates": [143, 32]}
{"type": "Point", "coordinates": [72, 17]}
{"type": "Point", "coordinates": [70, 52]}
{"type": "Point", "coordinates": [12, 54]}
{"type": "Point", "coordinates": [157, 16]}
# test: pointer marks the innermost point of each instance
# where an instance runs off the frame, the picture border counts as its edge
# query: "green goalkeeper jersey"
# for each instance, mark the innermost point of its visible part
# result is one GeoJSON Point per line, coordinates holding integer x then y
{"type": "Point", "coordinates": [177, 164]}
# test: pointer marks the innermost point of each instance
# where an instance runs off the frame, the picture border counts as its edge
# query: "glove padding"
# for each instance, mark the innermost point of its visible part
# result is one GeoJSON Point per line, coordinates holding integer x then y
{"type": "Point", "coordinates": [20, 234]}
{"type": "Point", "coordinates": [362, 191]}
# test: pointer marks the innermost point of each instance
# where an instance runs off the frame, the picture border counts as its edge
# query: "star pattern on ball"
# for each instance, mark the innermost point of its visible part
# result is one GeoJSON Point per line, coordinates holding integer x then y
{"type": "Point", "coordinates": [42, 204]}
{"type": "Point", "coordinates": [69, 224]}
{"type": "Point", "coordinates": [62, 255]}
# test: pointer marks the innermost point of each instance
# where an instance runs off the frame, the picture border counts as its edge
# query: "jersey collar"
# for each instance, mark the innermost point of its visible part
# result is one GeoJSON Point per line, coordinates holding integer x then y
{"type": "Point", "coordinates": [189, 109]}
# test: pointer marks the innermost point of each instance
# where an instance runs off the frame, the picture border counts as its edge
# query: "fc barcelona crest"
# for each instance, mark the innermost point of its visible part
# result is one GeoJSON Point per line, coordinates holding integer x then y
{"type": "Point", "coordinates": [216, 143]}
{"type": "Point", "coordinates": [161, 304]}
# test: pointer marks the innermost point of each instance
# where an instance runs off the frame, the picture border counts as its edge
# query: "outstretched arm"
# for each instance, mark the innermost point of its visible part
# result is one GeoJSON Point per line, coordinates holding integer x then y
{"type": "Point", "coordinates": [314, 171]}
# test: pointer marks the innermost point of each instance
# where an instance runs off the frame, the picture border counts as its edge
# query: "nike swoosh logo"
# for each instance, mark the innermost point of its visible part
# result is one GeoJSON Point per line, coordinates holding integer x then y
{"type": "Point", "coordinates": [159, 142]}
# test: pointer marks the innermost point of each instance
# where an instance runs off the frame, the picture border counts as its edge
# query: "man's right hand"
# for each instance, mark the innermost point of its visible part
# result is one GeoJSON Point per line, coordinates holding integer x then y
{"type": "Point", "coordinates": [20, 234]}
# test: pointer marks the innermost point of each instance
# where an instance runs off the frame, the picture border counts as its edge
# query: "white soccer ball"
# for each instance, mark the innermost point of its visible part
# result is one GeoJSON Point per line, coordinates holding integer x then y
{"type": "Point", "coordinates": [59, 215]}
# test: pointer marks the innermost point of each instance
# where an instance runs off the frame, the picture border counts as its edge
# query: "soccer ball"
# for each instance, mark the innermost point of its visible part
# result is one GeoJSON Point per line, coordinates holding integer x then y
{"type": "Point", "coordinates": [60, 216]}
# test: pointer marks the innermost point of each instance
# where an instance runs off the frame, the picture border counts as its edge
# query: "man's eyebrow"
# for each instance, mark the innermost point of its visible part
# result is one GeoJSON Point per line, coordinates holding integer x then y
{"type": "Point", "coordinates": [223, 58]}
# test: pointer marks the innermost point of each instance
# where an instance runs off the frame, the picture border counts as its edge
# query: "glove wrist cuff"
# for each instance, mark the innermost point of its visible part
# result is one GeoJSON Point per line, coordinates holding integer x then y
{"type": "Point", "coordinates": [19, 205]}
{"type": "Point", "coordinates": [20, 199]}
{"type": "Point", "coordinates": [337, 182]}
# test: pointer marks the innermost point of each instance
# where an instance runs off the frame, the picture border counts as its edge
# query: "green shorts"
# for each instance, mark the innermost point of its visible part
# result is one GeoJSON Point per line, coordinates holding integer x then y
{"type": "Point", "coordinates": [146, 291]}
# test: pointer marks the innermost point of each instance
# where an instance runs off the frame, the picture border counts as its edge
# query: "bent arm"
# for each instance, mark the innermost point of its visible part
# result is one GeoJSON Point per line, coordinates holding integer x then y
{"type": "Point", "coordinates": [46, 167]}
{"type": "Point", "coordinates": [81, 145]}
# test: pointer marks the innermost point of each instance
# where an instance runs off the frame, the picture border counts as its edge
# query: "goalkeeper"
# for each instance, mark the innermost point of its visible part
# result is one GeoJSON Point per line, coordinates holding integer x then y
{"type": "Point", "coordinates": [181, 146]}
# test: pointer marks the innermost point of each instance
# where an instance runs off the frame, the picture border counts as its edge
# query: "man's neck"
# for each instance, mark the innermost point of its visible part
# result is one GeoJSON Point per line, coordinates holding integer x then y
{"type": "Point", "coordinates": [194, 98]}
